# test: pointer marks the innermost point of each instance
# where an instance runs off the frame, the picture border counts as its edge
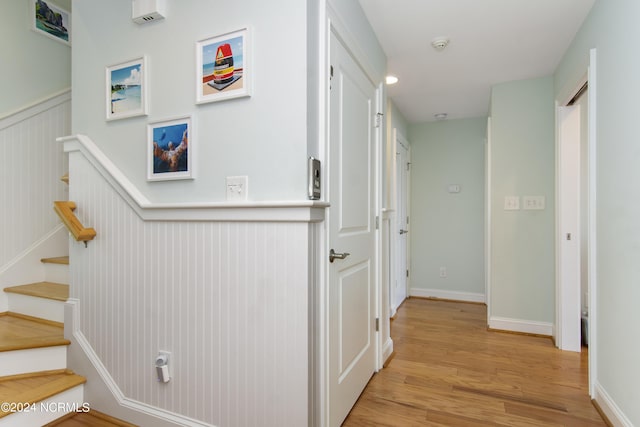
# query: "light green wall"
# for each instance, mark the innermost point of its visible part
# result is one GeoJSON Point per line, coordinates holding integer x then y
{"type": "Point", "coordinates": [612, 28]}
{"type": "Point", "coordinates": [522, 257]}
{"type": "Point", "coordinates": [33, 66]}
{"type": "Point", "coordinates": [447, 229]}
{"type": "Point", "coordinates": [263, 137]}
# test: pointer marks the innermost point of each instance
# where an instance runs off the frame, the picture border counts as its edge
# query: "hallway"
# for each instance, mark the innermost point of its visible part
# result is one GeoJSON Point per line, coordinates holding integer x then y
{"type": "Point", "coordinates": [448, 370]}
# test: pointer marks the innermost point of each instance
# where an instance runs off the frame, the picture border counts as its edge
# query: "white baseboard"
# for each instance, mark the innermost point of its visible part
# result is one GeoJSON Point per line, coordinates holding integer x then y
{"type": "Point", "coordinates": [518, 325]}
{"type": "Point", "coordinates": [609, 407]}
{"type": "Point", "coordinates": [444, 294]}
{"type": "Point", "coordinates": [387, 350]}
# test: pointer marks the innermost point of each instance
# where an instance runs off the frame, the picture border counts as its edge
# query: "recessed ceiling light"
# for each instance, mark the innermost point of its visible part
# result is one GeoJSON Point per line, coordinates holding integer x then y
{"type": "Point", "coordinates": [440, 116]}
{"type": "Point", "coordinates": [391, 80]}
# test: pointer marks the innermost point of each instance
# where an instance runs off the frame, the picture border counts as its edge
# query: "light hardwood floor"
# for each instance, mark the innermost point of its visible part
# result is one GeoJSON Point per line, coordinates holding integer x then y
{"type": "Point", "coordinates": [448, 370]}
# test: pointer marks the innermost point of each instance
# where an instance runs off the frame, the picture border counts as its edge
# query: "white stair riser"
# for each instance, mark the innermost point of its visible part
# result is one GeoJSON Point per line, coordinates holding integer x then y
{"type": "Point", "coordinates": [33, 360]}
{"type": "Point", "coordinates": [48, 410]}
{"type": "Point", "coordinates": [56, 273]}
{"type": "Point", "coordinates": [37, 307]}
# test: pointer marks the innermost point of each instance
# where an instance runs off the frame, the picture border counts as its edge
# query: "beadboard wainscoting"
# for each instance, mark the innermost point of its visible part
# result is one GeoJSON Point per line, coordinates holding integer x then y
{"type": "Point", "coordinates": [32, 165]}
{"type": "Point", "coordinates": [229, 299]}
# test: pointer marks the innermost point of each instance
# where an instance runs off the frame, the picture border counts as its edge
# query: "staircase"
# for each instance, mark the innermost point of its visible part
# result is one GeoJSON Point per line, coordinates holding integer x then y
{"type": "Point", "coordinates": [36, 387]}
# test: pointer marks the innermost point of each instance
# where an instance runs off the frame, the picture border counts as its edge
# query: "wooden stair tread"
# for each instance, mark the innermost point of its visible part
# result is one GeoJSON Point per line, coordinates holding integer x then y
{"type": "Point", "coordinates": [19, 332]}
{"type": "Point", "coordinates": [49, 290]}
{"type": "Point", "coordinates": [33, 388]}
{"type": "Point", "coordinates": [91, 419]}
{"type": "Point", "coordinates": [56, 260]}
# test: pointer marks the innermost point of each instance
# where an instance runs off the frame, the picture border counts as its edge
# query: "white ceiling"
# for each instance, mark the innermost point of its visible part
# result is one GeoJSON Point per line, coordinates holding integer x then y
{"type": "Point", "coordinates": [491, 41]}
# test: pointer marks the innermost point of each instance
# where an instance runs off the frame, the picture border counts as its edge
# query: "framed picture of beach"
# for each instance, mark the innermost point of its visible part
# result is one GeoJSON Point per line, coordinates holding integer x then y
{"type": "Point", "coordinates": [126, 89]}
{"type": "Point", "coordinates": [223, 69]}
{"type": "Point", "coordinates": [50, 20]}
{"type": "Point", "coordinates": [170, 149]}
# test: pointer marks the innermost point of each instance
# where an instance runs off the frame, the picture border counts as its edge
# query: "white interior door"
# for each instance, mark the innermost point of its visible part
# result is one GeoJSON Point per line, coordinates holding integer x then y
{"type": "Point", "coordinates": [568, 239]}
{"type": "Point", "coordinates": [351, 223]}
{"type": "Point", "coordinates": [402, 225]}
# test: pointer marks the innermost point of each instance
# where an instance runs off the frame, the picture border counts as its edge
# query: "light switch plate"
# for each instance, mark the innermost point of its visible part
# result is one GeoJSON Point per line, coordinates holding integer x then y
{"type": "Point", "coordinates": [237, 188]}
{"type": "Point", "coordinates": [511, 203]}
{"type": "Point", "coordinates": [533, 202]}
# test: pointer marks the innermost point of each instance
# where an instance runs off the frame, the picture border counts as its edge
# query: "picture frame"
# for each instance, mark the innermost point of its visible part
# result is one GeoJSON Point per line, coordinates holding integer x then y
{"type": "Point", "coordinates": [170, 149]}
{"type": "Point", "coordinates": [126, 89]}
{"type": "Point", "coordinates": [50, 20]}
{"type": "Point", "coordinates": [224, 69]}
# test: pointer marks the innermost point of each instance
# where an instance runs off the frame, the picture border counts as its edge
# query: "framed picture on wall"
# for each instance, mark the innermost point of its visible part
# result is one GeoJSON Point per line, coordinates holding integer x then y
{"type": "Point", "coordinates": [50, 20]}
{"type": "Point", "coordinates": [170, 149]}
{"type": "Point", "coordinates": [126, 89]}
{"type": "Point", "coordinates": [223, 69]}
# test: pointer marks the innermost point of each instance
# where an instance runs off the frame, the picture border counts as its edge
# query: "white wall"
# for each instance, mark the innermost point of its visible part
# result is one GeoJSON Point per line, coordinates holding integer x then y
{"type": "Point", "coordinates": [612, 29]}
{"type": "Point", "coordinates": [447, 229]}
{"type": "Point", "coordinates": [522, 288]}
{"type": "Point", "coordinates": [263, 137]}
{"type": "Point", "coordinates": [34, 66]}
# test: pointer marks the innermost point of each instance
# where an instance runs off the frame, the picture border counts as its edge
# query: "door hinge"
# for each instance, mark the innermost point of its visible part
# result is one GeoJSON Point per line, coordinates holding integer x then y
{"type": "Point", "coordinates": [330, 75]}
{"type": "Point", "coordinates": [407, 273]}
{"type": "Point", "coordinates": [408, 166]}
{"type": "Point", "coordinates": [379, 119]}
{"type": "Point", "coordinates": [377, 324]}
{"type": "Point", "coordinates": [377, 222]}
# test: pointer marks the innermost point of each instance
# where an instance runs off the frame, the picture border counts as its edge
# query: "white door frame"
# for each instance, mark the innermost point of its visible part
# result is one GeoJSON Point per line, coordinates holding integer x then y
{"type": "Point", "coordinates": [591, 77]}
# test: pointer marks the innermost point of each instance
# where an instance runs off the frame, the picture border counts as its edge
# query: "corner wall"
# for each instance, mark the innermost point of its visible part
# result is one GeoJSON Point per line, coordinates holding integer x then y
{"type": "Point", "coordinates": [522, 260]}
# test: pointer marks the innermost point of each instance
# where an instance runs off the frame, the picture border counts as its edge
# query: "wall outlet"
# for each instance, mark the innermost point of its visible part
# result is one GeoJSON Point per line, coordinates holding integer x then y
{"type": "Point", "coordinates": [237, 188]}
{"type": "Point", "coordinates": [443, 271]}
{"type": "Point", "coordinates": [163, 365]}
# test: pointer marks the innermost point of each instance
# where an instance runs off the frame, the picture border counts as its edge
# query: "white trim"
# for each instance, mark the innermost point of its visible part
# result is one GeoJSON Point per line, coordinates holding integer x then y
{"type": "Point", "coordinates": [488, 215]}
{"type": "Point", "coordinates": [518, 325]}
{"type": "Point", "coordinates": [592, 225]}
{"type": "Point", "coordinates": [110, 383]}
{"type": "Point", "coordinates": [277, 211]}
{"type": "Point", "coordinates": [444, 294]}
{"type": "Point", "coordinates": [35, 108]}
{"type": "Point", "coordinates": [613, 413]}
{"type": "Point", "coordinates": [387, 349]}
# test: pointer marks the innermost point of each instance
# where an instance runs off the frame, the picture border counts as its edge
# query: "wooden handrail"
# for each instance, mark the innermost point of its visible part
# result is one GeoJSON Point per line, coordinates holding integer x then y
{"type": "Point", "coordinates": [65, 210]}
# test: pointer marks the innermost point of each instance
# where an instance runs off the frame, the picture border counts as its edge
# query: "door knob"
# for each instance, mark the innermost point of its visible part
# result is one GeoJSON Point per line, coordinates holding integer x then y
{"type": "Point", "coordinates": [335, 255]}
{"type": "Point", "coordinates": [403, 231]}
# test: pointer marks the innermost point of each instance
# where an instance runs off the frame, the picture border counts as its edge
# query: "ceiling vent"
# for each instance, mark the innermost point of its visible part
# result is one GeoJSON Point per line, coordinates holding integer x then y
{"type": "Point", "coordinates": [143, 11]}
{"type": "Point", "coordinates": [439, 43]}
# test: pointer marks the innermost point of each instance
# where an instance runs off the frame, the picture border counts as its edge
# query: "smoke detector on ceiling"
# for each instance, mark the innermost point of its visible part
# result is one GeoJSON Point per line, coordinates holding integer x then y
{"type": "Point", "coordinates": [439, 43]}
